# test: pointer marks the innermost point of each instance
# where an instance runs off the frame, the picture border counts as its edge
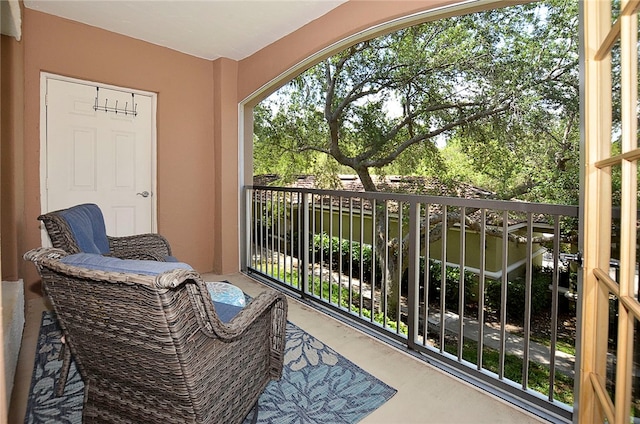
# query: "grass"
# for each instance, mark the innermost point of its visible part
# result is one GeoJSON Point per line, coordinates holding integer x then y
{"type": "Point", "coordinates": [538, 379]}
{"type": "Point", "coordinates": [538, 374]}
{"type": "Point", "coordinates": [339, 295]}
{"type": "Point", "coordinates": [561, 345]}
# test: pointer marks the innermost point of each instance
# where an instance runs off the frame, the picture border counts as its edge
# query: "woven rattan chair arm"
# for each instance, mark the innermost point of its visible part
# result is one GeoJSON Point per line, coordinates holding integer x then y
{"type": "Point", "coordinates": [263, 304]}
{"type": "Point", "coordinates": [153, 245]}
{"type": "Point", "coordinates": [39, 254]}
{"type": "Point", "coordinates": [172, 279]}
{"type": "Point", "coordinates": [278, 336]}
{"type": "Point", "coordinates": [271, 306]}
{"type": "Point", "coordinates": [271, 301]}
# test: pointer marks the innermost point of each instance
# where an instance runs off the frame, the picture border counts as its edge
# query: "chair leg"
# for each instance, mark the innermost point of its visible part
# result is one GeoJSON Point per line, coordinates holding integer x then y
{"type": "Point", "coordinates": [65, 354]}
{"type": "Point", "coordinates": [253, 413]}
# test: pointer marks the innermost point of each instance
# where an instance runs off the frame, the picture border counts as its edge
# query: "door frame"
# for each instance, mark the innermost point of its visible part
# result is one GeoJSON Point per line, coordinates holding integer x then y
{"type": "Point", "coordinates": [46, 76]}
{"type": "Point", "coordinates": [600, 35]}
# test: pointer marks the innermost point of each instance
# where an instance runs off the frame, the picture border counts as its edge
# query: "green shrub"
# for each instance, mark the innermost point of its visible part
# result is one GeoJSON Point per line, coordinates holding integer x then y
{"type": "Point", "coordinates": [324, 247]}
{"type": "Point", "coordinates": [516, 291]}
{"type": "Point", "coordinates": [345, 258]}
{"type": "Point", "coordinates": [452, 283]}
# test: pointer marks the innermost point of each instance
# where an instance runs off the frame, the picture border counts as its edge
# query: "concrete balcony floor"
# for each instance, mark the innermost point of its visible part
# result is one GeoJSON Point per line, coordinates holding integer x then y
{"type": "Point", "coordinates": [425, 394]}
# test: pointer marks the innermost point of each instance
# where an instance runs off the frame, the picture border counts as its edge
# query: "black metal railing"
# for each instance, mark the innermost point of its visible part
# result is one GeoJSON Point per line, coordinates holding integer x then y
{"type": "Point", "coordinates": [479, 287]}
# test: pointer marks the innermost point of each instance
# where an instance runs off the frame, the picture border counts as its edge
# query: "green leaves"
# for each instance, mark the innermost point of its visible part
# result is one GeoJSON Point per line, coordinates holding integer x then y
{"type": "Point", "coordinates": [502, 85]}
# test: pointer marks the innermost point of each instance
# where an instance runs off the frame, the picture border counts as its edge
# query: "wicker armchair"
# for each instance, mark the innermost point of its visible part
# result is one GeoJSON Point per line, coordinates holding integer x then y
{"type": "Point", "coordinates": [81, 228]}
{"type": "Point", "coordinates": [154, 348]}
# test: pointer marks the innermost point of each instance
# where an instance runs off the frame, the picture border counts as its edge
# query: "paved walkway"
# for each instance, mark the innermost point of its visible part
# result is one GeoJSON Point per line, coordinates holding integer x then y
{"type": "Point", "coordinates": [514, 344]}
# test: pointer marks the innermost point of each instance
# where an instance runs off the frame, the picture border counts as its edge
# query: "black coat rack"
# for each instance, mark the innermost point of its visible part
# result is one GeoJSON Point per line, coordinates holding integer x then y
{"type": "Point", "coordinates": [115, 109]}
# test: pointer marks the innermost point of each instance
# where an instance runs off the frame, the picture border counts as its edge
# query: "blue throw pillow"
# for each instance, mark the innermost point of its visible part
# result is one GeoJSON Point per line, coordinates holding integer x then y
{"type": "Point", "coordinates": [105, 263]}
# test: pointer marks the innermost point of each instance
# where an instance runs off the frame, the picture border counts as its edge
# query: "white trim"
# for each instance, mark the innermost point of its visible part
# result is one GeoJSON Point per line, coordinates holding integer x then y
{"type": "Point", "coordinates": [44, 78]}
{"type": "Point", "coordinates": [242, 225]}
{"type": "Point", "coordinates": [45, 241]}
{"type": "Point", "coordinates": [12, 329]}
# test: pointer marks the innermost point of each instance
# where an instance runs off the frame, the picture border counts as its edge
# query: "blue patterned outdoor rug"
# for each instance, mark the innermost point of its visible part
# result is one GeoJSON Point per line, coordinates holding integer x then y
{"type": "Point", "coordinates": [318, 385]}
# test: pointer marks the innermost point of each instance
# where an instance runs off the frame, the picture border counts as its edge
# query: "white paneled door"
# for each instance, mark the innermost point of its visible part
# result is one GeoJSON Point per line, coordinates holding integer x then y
{"type": "Point", "coordinates": [104, 156]}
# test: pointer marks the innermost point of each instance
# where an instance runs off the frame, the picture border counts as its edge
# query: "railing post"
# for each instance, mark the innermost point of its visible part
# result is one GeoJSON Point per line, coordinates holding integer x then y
{"type": "Point", "coordinates": [414, 274]}
{"type": "Point", "coordinates": [443, 277]}
{"type": "Point", "coordinates": [527, 308]}
{"type": "Point", "coordinates": [304, 249]}
{"type": "Point", "coordinates": [461, 280]}
{"type": "Point", "coordinates": [503, 292]}
{"type": "Point", "coordinates": [245, 246]}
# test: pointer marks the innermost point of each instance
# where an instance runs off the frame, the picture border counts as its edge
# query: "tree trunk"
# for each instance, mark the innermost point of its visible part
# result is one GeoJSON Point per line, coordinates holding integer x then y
{"type": "Point", "coordinates": [386, 254]}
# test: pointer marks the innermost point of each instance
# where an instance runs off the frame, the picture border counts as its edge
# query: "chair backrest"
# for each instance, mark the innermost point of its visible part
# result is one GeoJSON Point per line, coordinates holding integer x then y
{"type": "Point", "coordinates": [120, 337]}
{"type": "Point", "coordinates": [77, 229]}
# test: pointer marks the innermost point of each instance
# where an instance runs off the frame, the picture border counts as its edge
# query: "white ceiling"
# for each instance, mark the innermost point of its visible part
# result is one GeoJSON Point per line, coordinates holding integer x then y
{"type": "Point", "coordinates": [204, 28]}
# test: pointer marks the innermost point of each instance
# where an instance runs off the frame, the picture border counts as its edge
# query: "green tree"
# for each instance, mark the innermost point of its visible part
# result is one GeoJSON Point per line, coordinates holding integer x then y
{"type": "Point", "coordinates": [501, 84]}
{"type": "Point", "coordinates": [533, 150]}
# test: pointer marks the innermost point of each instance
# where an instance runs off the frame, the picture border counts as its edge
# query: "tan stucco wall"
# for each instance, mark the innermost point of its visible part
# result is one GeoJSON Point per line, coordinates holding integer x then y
{"type": "Point", "coordinates": [11, 135]}
{"type": "Point", "coordinates": [226, 178]}
{"type": "Point", "coordinates": [185, 191]}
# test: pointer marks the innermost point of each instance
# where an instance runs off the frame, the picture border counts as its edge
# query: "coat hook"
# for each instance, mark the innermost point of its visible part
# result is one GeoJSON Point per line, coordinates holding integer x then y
{"type": "Point", "coordinates": [106, 108]}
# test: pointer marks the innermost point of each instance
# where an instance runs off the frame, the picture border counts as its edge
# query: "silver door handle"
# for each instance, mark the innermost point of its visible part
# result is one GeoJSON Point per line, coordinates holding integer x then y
{"type": "Point", "coordinates": [143, 194]}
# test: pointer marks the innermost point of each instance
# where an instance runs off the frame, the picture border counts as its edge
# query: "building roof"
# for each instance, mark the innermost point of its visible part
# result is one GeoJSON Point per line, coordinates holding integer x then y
{"type": "Point", "coordinates": [405, 184]}
{"type": "Point", "coordinates": [390, 183]}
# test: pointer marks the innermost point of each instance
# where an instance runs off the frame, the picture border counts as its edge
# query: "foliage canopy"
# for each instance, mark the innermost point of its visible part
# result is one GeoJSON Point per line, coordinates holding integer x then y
{"type": "Point", "coordinates": [489, 98]}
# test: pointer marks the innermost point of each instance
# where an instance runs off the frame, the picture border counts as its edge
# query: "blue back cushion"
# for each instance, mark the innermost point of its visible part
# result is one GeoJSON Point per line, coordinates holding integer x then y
{"type": "Point", "coordinates": [87, 225]}
{"type": "Point", "coordinates": [133, 266]}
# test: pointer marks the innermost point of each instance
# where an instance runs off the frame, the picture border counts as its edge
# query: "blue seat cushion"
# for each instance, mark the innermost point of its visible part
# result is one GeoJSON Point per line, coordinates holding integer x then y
{"type": "Point", "coordinates": [110, 264]}
{"type": "Point", "coordinates": [225, 311]}
{"type": "Point", "coordinates": [87, 225]}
